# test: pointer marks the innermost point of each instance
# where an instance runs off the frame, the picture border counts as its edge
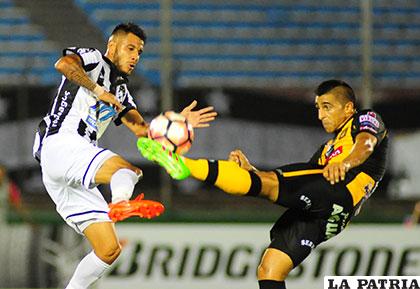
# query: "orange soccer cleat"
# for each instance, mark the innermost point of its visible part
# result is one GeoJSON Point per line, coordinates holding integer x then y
{"type": "Point", "coordinates": [138, 207]}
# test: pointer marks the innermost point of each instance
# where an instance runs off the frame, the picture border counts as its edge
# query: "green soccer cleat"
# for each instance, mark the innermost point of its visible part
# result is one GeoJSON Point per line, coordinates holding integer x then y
{"type": "Point", "coordinates": [171, 162]}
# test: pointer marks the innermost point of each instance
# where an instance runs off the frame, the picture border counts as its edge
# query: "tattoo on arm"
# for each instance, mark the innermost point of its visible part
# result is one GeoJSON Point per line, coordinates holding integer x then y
{"type": "Point", "coordinates": [78, 76]}
{"type": "Point", "coordinates": [72, 69]}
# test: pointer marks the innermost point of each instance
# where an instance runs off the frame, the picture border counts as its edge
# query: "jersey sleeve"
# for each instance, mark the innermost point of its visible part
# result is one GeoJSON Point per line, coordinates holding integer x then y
{"type": "Point", "coordinates": [90, 56]}
{"type": "Point", "coordinates": [128, 103]}
{"type": "Point", "coordinates": [370, 122]}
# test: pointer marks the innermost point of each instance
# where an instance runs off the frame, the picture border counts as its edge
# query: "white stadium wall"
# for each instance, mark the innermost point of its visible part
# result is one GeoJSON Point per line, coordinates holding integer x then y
{"type": "Point", "coordinates": [15, 245]}
{"type": "Point", "coordinates": [201, 255]}
{"type": "Point", "coordinates": [225, 256]}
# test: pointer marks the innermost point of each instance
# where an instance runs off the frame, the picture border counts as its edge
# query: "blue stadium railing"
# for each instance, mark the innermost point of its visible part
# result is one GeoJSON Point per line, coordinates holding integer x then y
{"type": "Point", "coordinates": [25, 55]}
{"type": "Point", "coordinates": [313, 29]}
{"type": "Point", "coordinates": [275, 41]}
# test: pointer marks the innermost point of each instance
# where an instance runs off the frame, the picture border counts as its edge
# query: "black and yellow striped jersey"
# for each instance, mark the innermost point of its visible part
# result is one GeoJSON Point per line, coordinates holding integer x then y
{"type": "Point", "coordinates": [365, 177]}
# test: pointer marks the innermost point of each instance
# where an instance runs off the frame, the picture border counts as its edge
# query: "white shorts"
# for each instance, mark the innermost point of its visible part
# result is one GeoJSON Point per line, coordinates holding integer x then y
{"type": "Point", "coordinates": [69, 164]}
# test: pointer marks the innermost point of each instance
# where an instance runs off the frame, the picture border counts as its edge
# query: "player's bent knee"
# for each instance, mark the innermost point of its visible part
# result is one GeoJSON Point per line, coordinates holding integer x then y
{"type": "Point", "coordinates": [268, 272]}
{"type": "Point", "coordinates": [109, 253]}
{"type": "Point", "coordinates": [104, 241]}
{"type": "Point", "coordinates": [275, 265]}
{"type": "Point", "coordinates": [117, 163]}
{"type": "Point", "coordinates": [113, 165]}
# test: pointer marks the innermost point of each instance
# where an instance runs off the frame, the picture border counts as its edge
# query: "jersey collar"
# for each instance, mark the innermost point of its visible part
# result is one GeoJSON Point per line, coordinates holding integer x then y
{"type": "Point", "coordinates": [116, 74]}
{"type": "Point", "coordinates": [344, 125]}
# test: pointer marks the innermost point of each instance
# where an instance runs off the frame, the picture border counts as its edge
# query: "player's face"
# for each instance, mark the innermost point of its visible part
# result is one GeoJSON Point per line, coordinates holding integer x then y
{"type": "Point", "coordinates": [331, 112]}
{"type": "Point", "coordinates": [127, 52]}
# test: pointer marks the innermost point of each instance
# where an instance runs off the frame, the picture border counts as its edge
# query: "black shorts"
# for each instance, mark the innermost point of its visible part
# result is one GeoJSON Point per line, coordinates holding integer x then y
{"type": "Point", "coordinates": [317, 210]}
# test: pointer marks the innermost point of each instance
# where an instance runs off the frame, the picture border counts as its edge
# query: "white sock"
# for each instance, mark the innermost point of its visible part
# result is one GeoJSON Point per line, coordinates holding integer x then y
{"type": "Point", "coordinates": [122, 185]}
{"type": "Point", "coordinates": [90, 269]}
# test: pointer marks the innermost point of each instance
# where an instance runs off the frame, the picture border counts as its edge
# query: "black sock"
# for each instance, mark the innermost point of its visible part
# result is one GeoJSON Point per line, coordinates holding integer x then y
{"type": "Point", "coordinates": [271, 284]}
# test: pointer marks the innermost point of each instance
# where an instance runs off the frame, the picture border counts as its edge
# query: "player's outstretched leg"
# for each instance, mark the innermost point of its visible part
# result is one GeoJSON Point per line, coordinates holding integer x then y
{"type": "Point", "coordinates": [171, 162]}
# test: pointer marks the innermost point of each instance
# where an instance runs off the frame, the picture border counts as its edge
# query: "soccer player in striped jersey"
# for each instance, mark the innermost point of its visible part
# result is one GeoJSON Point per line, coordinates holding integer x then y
{"type": "Point", "coordinates": [321, 195]}
{"type": "Point", "coordinates": [93, 93]}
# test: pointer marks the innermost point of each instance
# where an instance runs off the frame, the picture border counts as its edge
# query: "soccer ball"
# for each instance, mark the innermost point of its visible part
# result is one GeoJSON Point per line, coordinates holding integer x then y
{"type": "Point", "coordinates": [173, 131]}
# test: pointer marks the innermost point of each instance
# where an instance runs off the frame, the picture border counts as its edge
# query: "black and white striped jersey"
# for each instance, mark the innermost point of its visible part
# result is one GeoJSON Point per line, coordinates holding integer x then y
{"type": "Point", "coordinates": [76, 110]}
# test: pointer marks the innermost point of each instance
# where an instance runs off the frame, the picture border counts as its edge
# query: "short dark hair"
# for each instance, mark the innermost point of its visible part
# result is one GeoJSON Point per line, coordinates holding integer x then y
{"type": "Point", "coordinates": [130, 28]}
{"type": "Point", "coordinates": [329, 85]}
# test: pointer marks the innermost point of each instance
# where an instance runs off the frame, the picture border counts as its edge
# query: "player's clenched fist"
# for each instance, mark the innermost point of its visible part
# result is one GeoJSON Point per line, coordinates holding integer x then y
{"type": "Point", "coordinates": [238, 157]}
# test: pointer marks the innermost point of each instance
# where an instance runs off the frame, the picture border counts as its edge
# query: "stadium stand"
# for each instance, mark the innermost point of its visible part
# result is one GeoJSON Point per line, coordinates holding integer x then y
{"type": "Point", "coordinates": [25, 53]}
{"type": "Point", "coordinates": [397, 43]}
{"type": "Point", "coordinates": [276, 44]}
{"type": "Point", "coordinates": [272, 43]}
{"type": "Point", "coordinates": [58, 26]}
{"type": "Point", "coordinates": [247, 43]}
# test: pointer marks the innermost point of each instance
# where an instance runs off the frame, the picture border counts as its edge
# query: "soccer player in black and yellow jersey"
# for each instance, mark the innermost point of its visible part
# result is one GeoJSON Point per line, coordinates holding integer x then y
{"type": "Point", "coordinates": [321, 195]}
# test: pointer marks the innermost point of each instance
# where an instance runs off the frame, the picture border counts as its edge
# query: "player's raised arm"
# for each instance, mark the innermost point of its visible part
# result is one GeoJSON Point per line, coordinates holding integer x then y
{"type": "Point", "coordinates": [71, 67]}
{"type": "Point", "coordinates": [199, 118]}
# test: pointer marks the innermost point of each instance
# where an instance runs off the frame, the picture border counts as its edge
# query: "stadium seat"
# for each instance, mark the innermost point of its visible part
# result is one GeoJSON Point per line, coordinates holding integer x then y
{"type": "Point", "coordinates": [244, 35]}
{"type": "Point", "coordinates": [25, 54]}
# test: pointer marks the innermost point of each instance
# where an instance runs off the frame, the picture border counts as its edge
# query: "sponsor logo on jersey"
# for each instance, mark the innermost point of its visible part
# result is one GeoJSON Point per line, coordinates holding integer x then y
{"type": "Point", "coordinates": [102, 114]}
{"type": "Point", "coordinates": [336, 222]}
{"type": "Point", "coordinates": [106, 111]}
{"type": "Point", "coordinates": [371, 113]}
{"type": "Point", "coordinates": [91, 122]}
{"type": "Point", "coordinates": [84, 50]}
{"type": "Point", "coordinates": [331, 153]}
{"type": "Point", "coordinates": [307, 243]}
{"type": "Point", "coordinates": [368, 119]}
{"type": "Point", "coordinates": [307, 201]}
{"type": "Point", "coordinates": [329, 150]}
{"type": "Point", "coordinates": [120, 94]}
{"type": "Point", "coordinates": [369, 128]}
{"type": "Point", "coordinates": [61, 108]}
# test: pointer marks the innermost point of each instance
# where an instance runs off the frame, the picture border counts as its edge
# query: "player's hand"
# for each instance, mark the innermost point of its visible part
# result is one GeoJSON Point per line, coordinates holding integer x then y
{"type": "Point", "coordinates": [110, 99]}
{"type": "Point", "coordinates": [238, 157]}
{"type": "Point", "coordinates": [199, 118]}
{"type": "Point", "coordinates": [335, 172]}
